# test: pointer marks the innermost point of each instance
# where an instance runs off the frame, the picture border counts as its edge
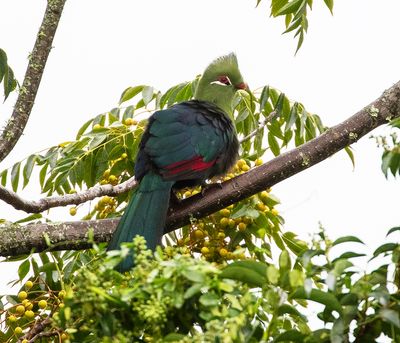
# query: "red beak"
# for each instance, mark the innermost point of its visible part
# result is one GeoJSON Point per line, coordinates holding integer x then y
{"type": "Point", "coordinates": [242, 85]}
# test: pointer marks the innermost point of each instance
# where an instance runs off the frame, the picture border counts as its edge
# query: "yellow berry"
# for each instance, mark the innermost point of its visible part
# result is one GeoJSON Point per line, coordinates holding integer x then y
{"type": "Point", "coordinates": [64, 336]}
{"type": "Point", "coordinates": [241, 163]}
{"type": "Point", "coordinates": [221, 235]}
{"type": "Point", "coordinates": [198, 234]}
{"type": "Point", "coordinates": [261, 206]}
{"type": "Point", "coordinates": [61, 294]}
{"type": "Point", "coordinates": [124, 155]}
{"type": "Point", "coordinates": [274, 211]}
{"type": "Point", "coordinates": [128, 121]}
{"type": "Point", "coordinates": [29, 314]}
{"type": "Point", "coordinates": [225, 212]}
{"type": "Point", "coordinates": [264, 195]}
{"type": "Point", "coordinates": [231, 223]}
{"type": "Point", "coordinates": [245, 168]}
{"type": "Point", "coordinates": [20, 309]}
{"type": "Point", "coordinates": [112, 178]}
{"type": "Point", "coordinates": [42, 303]}
{"type": "Point", "coordinates": [106, 173]}
{"type": "Point", "coordinates": [247, 220]}
{"type": "Point", "coordinates": [22, 295]}
{"type": "Point", "coordinates": [224, 222]}
{"type": "Point", "coordinates": [12, 319]}
{"type": "Point", "coordinates": [258, 162]}
{"type": "Point", "coordinates": [97, 127]}
{"type": "Point", "coordinates": [242, 226]}
{"type": "Point", "coordinates": [205, 250]}
{"type": "Point", "coordinates": [28, 305]}
{"type": "Point", "coordinates": [28, 284]}
{"type": "Point", "coordinates": [72, 211]}
{"type": "Point", "coordinates": [61, 305]}
{"type": "Point", "coordinates": [18, 330]}
{"type": "Point", "coordinates": [24, 341]}
{"type": "Point", "coordinates": [223, 252]}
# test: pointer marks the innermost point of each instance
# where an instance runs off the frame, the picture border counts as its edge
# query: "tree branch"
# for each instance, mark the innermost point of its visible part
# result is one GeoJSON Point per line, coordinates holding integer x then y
{"type": "Point", "coordinates": [73, 235]}
{"type": "Point", "coordinates": [38, 206]}
{"type": "Point", "coordinates": [27, 93]}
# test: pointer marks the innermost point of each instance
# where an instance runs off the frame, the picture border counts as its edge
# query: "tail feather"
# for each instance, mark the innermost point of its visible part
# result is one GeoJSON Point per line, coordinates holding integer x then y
{"type": "Point", "coordinates": [145, 215]}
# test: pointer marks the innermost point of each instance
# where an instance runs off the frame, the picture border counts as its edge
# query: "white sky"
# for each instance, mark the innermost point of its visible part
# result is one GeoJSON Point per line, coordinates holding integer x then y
{"type": "Point", "coordinates": [102, 47]}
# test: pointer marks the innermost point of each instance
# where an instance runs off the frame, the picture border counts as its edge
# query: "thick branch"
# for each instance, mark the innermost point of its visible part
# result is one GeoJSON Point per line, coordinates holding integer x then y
{"type": "Point", "coordinates": [27, 94]}
{"type": "Point", "coordinates": [38, 206]}
{"type": "Point", "coordinates": [73, 235]}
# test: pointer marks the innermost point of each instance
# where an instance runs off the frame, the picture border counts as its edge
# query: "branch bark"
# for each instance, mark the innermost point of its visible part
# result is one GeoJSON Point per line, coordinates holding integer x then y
{"type": "Point", "coordinates": [27, 93]}
{"type": "Point", "coordinates": [73, 235]}
{"type": "Point", "coordinates": [38, 206]}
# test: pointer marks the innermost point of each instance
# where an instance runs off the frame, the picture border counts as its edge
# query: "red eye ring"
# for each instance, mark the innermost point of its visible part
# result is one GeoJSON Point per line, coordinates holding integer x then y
{"type": "Point", "coordinates": [224, 79]}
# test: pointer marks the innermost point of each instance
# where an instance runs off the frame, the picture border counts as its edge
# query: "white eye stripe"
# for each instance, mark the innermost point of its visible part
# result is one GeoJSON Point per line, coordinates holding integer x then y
{"type": "Point", "coordinates": [218, 83]}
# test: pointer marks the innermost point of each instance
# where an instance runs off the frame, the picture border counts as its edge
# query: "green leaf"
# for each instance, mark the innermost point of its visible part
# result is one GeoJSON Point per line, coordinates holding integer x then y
{"type": "Point", "coordinates": [264, 98]}
{"type": "Point", "coordinates": [289, 309]}
{"type": "Point", "coordinates": [296, 278]}
{"type": "Point", "coordinates": [273, 144]}
{"type": "Point", "coordinates": [292, 117]}
{"type": "Point", "coordinates": [384, 248]}
{"type": "Point", "coordinates": [209, 299]}
{"type": "Point", "coordinates": [27, 171]}
{"type": "Point", "coordinates": [390, 316]}
{"type": "Point", "coordinates": [329, 3]}
{"type": "Point", "coordinates": [193, 275]}
{"type": "Point", "coordinates": [252, 273]}
{"type": "Point", "coordinates": [42, 174]}
{"type": "Point", "coordinates": [300, 41]}
{"type": "Point", "coordinates": [3, 63]}
{"type": "Point", "coordinates": [15, 176]}
{"type": "Point", "coordinates": [3, 177]}
{"type": "Point", "coordinates": [147, 94]}
{"type": "Point", "coordinates": [290, 336]}
{"type": "Point", "coordinates": [351, 155]}
{"type": "Point", "coordinates": [325, 298]}
{"type": "Point", "coordinates": [273, 274]}
{"type": "Point", "coordinates": [83, 128]}
{"type": "Point", "coordinates": [23, 269]}
{"type": "Point", "coordinates": [9, 82]}
{"type": "Point", "coordinates": [129, 93]}
{"type": "Point", "coordinates": [29, 218]}
{"type": "Point", "coordinates": [244, 210]}
{"type": "Point", "coordinates": [393, 229]}
{"type": "Point", "coordinates": [290, 7]}
{"type": "Point", "coordinates": [173, 337]}
{"type": "Point", "coordinates": [345, 239]}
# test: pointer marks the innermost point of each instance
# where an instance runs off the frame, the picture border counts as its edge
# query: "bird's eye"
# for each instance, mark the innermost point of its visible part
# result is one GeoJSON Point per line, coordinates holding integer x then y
{"type": "Point", "coordinates": [224, 79]}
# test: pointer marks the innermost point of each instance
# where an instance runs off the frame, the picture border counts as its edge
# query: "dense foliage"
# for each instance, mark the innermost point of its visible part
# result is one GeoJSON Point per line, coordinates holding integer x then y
{"type": "Point", "coordinates": [216, 277]}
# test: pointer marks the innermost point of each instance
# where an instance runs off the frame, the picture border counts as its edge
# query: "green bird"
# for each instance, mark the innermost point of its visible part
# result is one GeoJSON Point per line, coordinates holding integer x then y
{"type": "Point", "coordinates": [182, 146]}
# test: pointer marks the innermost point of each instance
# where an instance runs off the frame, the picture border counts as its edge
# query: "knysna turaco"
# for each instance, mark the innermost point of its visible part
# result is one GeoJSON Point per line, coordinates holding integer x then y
{"type": "Point", "coordinates": [182, 146]}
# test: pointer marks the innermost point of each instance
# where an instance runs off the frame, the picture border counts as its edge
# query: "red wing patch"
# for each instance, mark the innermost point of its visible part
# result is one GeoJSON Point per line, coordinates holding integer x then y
{"type": "Point", "coordinates": [195, 164]}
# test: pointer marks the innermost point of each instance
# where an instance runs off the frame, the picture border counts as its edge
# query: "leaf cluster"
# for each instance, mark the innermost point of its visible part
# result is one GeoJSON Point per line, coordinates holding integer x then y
{"type": "Point", "coordinates": [6, 75]}
{"type": "Point", "coordinates": [295, 14]}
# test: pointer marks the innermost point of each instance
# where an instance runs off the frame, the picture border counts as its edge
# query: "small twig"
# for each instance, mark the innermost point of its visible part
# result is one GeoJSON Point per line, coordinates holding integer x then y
{"type": "Point", "coordinates": [27, 93]}
{"type": "Point", "coordinates": [268, 119]}
{"type": "Point", "coordinates": [37, 206]}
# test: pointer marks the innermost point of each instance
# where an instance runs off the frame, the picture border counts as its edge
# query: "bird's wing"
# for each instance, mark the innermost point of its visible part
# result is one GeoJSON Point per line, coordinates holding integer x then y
{"type": "Point", "coordinates": [185, 141]}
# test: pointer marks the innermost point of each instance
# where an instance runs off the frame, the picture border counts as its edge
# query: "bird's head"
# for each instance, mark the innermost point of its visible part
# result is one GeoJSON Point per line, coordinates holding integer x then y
{"type": "Point", "coordinates": [220, 81]}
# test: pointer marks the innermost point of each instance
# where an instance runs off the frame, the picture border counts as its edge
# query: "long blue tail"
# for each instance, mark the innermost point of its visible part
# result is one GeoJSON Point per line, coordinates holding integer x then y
{"type": "Point", "coordinates": [145, 216]}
